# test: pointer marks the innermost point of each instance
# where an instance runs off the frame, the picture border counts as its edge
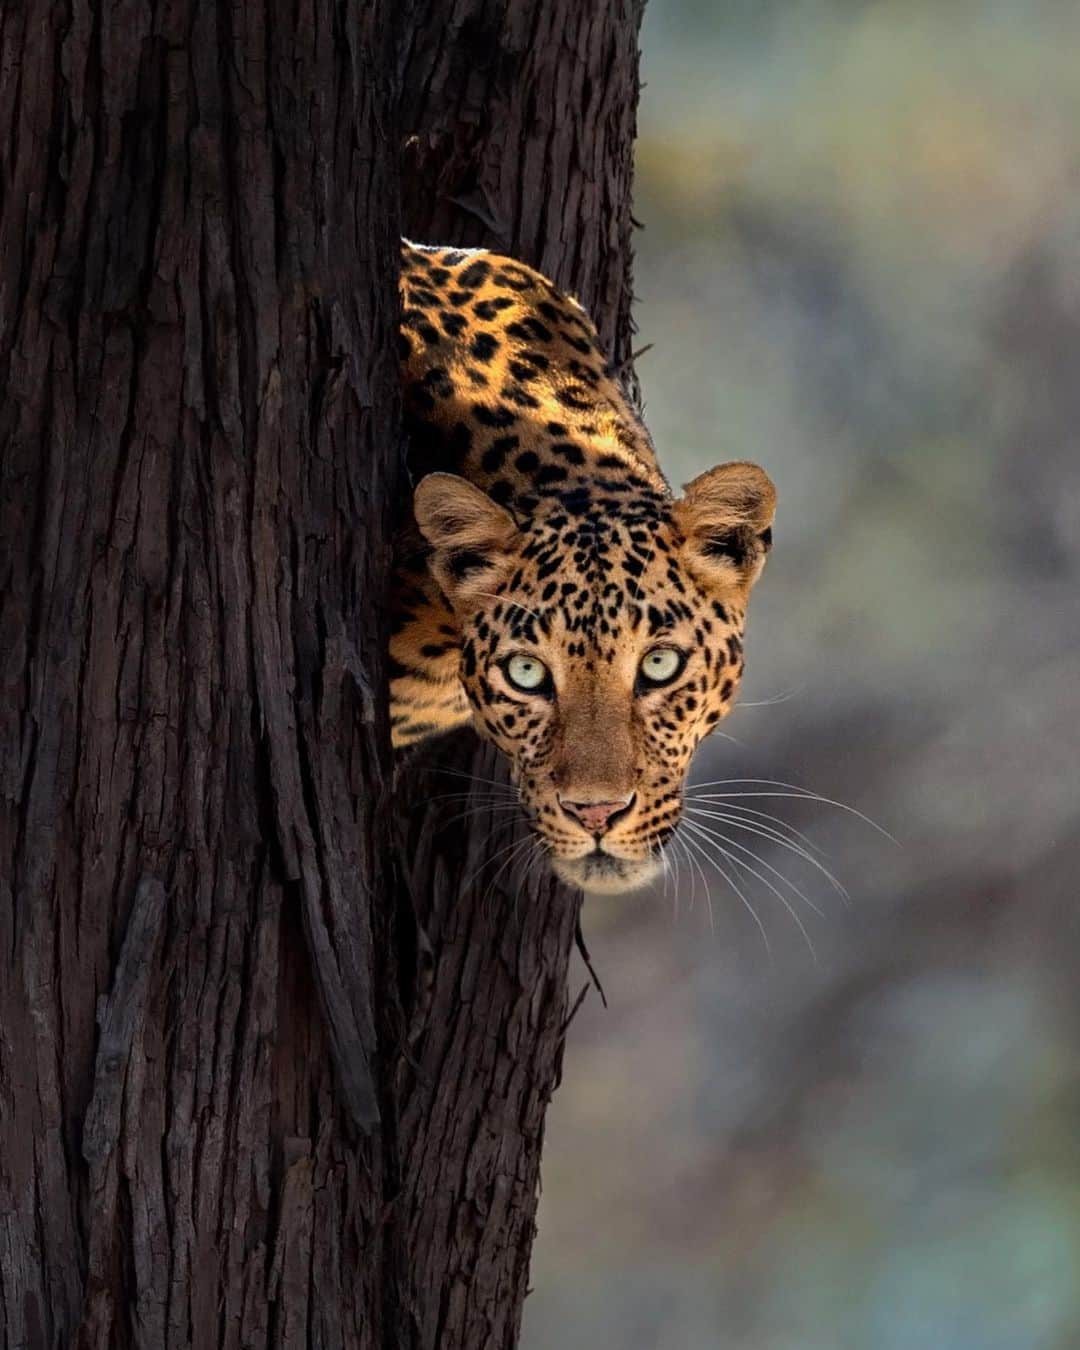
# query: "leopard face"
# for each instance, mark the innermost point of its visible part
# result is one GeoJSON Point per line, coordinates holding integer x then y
{"type": "Point", "coordinates": [600, 642]}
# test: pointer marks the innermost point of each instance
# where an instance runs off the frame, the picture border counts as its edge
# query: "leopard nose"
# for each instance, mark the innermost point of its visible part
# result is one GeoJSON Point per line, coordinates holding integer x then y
{"type": "Point", "coordinates": [597, 817]}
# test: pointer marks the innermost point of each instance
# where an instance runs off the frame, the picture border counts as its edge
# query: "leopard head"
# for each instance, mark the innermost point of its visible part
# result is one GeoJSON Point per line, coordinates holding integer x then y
{"type": "Point", "coordinates": [601, 641]}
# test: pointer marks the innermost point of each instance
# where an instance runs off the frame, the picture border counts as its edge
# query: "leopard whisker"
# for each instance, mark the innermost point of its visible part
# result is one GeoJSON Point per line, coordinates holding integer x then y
{"type": "Point", "coordinates": [694, 865]}
{"type": "Point", "coordinates": [726, 736]}
{"type": "Point", "coordinates": [515, 856]}
{"type": "Point", "coordinates": [671, 873]}
{"type": "Point", "coordinates": [770, 702]}
{"type": "Point", "coordinates": [773, 821]}
{"type": "Point", "coordinates": [719, 867]}
{"type": "Point", "coordinates": [665, 869]}
{"type": "Point", "coordinates": [714, 839]}
{"type": "Point", "coordinates": [742, 848]}
{"type": "Point", "coordinates": [792, 790]}
{"type": "Point", "coordinates": [486, 809]}
{"type": "Point", "coordinates": [670, 852]}
{"type": "Point", "coordinates": [766, 832]}
{"type": "Point", "coordinates": [536, 862]}
{"type": "Point", "coordinates": [514, 847]}
{"type": "Point", "coordinates": [475, 797]}
{"type": "Point", "coordinates": [672, 842]}
{"type": "Point", "coordinates": [692, 873]}
{"type": "Point", "coordinates": [472, 777]}
{"type": "Point", "coordinates": [487, 861]}
{"type": "Point", "coordinates": [677, 887]}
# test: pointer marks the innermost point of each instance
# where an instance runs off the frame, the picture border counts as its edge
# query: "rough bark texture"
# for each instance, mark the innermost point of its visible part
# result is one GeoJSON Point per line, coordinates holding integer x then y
{"type": "Point", "coordinates": [519, 123]}
{"type": "Point", "coordinates": [519, 127]}
{"type": "Point", "coordinates": [197, 252]}
{"type": "Point", "coordinates": [246, 1098]}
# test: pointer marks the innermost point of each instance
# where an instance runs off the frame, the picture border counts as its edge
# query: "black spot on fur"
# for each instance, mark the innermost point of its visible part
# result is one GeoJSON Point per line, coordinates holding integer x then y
{"type": "Point", "coordinates": [488, 309]}
{"type": "Point", "coordinates": [453, 324]}
{"type": "Point", "coordinates": [437, 381]}
{"type": "Point", "coordinates": [513, 277]}
{"type": "Point", "coordinates": [474, 275]}
{"type": "Point", "coordinates": [494, 417]}
{"type": "Point", "coordinates": [494, 457]}
{"type": "Point", "coordinates": [528, 329]}
{"type": "Point", "coordinates": [484, 346]}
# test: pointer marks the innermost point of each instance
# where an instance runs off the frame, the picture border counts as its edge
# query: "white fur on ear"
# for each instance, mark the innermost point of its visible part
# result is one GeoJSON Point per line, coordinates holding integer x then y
{"type": "Point", "coordinates": [472, 537]}
{"type": "Point", "coordinates": [726, 516]}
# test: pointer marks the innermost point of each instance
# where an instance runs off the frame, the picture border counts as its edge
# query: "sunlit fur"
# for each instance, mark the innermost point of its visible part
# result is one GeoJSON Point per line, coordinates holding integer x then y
{"type": "Point", "coordinates": [544, 527]}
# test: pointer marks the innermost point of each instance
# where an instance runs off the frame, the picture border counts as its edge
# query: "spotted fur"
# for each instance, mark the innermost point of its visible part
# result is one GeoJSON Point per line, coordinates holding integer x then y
{"type": "Point", "coordinates": [543, 528]}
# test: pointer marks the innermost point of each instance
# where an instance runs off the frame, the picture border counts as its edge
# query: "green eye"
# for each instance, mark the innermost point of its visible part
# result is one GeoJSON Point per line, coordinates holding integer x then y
{"type": "Point", "coordinates": [527, 673]}
{"type": "Point", "coordinates": [662, 664]}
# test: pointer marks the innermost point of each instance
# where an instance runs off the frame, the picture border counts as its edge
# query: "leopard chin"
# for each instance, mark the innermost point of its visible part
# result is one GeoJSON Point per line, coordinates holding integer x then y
{"type": "Point", "coordinates": [602, 874]}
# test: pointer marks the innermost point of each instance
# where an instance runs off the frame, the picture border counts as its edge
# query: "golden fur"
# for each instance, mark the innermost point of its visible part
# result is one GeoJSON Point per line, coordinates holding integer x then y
{"type": "Point", "coordinates": [545, 534]}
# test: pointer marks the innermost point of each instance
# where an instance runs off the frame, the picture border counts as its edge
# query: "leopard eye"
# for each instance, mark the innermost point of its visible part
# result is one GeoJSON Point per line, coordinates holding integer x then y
{"type": "Point", "coordinates": [527, 673]}
{"type": "Point", "coordinates": [662, 664]}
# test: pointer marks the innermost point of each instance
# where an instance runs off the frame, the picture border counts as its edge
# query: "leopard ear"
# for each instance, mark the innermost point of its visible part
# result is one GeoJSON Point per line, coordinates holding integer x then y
{"type": "Point", "coordinates": [726, 518]}
{"type": "Point", "coordinates": [472, 538]}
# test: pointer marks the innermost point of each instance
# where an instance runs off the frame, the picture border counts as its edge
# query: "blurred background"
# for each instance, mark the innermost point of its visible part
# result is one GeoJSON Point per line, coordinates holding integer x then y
{"type": "Point", "coordinates": [860, 265]}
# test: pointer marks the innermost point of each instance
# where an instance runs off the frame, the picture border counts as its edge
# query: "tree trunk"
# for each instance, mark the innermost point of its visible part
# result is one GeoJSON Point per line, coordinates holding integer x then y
{"type": "Point", "coordinates": [519, 128]}
{"type": "Point", "coordinates": [519, 124]}
{"type": "Point", "coordinates": [198, 435]}
{"type": "Point", "coordinates": [241, 1101]}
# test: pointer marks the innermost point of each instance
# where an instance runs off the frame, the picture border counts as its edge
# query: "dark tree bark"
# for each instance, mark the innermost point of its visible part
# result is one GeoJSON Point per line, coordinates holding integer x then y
{"type": "Point", "coordinates": [519, 122]}
{"type": "Point", "coordinates": [519, 126]}
{"type": "Point", "coordinates": [247, 1096]}
{"type": "Point", "coordinates": [197, 248]}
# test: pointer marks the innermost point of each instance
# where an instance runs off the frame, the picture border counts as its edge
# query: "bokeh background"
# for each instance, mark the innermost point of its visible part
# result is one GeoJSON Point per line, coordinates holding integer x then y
{"type": "Point", "coordinates": [860, 265]}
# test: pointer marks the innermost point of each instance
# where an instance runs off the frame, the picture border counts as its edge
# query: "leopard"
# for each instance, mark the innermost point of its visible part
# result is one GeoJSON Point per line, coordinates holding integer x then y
{"type": "Point", "coordinates": [549, 587]}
